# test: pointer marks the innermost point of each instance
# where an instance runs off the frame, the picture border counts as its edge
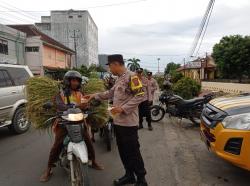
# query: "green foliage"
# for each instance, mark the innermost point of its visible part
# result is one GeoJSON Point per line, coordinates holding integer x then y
{"type": "Point", "coordinates": [176, 76]}
{"type": "Point", "coordinates": [171, 68]}
{"type": "Point", "coordinates": [99, 68]}
{"type": "Point", "coordinates": [160, 81]}
{"type": "Point", "coordinates": [94, 75]}
{"type": "Point", "coordinates": [187, 88]}
{"type": "Point", "coordinates": [83, 70]}
{"type": "Point", "coordinates": [145, 71]}
{"type": "Point", "coordinates": [133, 64]}
{"type": "Point", "coordinates": [91, 71]}
{"type": "Point", "coordinates": [43, 89]}
{"type": "Point", "coordinates": [232, 56]}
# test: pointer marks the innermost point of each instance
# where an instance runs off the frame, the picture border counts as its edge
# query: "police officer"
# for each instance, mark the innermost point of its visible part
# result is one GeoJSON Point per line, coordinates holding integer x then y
{"type": "Point", "coordinates": [127, 94]}
{"type": "Point", "coordinates": [153, 84]}
{"type": "Point", "coordinates": [144, 107]}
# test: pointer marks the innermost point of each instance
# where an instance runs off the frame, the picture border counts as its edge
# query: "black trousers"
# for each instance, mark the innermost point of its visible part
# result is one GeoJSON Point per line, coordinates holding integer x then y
{"type": "Point", "coordinates": [144, 111]}
{"type": "Point", "coordinates": [129, 150]}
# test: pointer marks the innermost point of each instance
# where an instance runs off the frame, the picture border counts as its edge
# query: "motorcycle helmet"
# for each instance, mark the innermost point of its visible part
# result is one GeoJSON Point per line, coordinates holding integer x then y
{"type": "Point", "coordinates": [72, 75]}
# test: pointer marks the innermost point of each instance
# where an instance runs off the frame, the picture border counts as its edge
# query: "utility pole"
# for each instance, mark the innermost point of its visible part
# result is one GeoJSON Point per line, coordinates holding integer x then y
{"type": "Point", "coordinates": [75, 37]}
{"type": "Point", "coordinates": [184, 67]}
{"type": "Point", "coordinates": [206, 74]}
{"type": "Point", "coordinates": [158, 64]}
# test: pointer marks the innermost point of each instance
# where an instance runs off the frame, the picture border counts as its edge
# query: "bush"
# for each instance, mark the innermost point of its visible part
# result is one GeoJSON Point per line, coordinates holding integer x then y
{"type": "Point", "coordinates": [176, 76]}
{"type": "Point", "coordinates": [160, 81]}
{"type": "Point", "coordinates": [187, 88]}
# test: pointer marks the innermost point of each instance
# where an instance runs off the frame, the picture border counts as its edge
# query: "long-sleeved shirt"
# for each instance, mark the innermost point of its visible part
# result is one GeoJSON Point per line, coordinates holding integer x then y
{"type": "Point", "coordinates": [123, 96]}
{"type": "Point", "coordinates": [154, 86]}
{"type": "Point", "coordinates": [147, 89]}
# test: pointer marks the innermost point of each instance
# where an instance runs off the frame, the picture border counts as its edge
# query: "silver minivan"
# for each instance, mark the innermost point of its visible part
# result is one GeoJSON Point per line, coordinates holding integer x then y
{"type": "Point", "coordinates": [12, 97]}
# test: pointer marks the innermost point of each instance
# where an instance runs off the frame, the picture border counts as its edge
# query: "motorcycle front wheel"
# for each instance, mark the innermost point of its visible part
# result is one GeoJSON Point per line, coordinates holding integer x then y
{"type": "Point", "coordinates": [157, 113]}
{"type": "Point", "coordinates": [195, 120]}
{"type": "Point", "coordinates": [108, 136]}
{"type": "Point", "coordinates": [81, 173]}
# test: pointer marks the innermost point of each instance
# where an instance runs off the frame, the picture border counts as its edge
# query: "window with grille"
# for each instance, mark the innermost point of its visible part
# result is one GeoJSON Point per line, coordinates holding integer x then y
{"type": "Point", "coordinates": [3, 47]}
{"type": "Point", "coordinates": [31, 49]}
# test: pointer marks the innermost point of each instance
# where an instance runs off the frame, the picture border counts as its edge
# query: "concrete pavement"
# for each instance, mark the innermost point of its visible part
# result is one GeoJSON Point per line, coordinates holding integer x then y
{"type": "Point", "coordinates": [173, 154]}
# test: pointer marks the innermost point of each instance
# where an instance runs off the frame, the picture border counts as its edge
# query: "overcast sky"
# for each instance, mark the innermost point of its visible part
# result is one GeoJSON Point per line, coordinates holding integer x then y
{"type": "Point", "coordinates": [146, 29]}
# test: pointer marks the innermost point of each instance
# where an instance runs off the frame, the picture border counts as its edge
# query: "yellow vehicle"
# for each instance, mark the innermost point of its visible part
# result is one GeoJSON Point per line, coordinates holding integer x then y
{"type": "Point", "coordinates": [225, 129]}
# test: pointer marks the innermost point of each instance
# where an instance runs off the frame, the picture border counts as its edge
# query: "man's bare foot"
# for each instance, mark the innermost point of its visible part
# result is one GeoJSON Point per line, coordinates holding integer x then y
{"type": "Point", "coordinates": [46, 175]}
{"type": "Point", "coordinates": [97, 166]}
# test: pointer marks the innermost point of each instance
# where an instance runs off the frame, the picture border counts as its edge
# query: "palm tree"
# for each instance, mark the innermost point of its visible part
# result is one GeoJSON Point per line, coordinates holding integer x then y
{"type": "Point", "coordinates": [133, 64]}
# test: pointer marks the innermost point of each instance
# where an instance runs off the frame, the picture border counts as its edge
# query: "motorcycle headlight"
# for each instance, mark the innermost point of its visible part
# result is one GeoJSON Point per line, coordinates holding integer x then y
{"type": "Point", "coordinates": [240, 122]}
{"type": "Point", "coordinates": [75, 117]}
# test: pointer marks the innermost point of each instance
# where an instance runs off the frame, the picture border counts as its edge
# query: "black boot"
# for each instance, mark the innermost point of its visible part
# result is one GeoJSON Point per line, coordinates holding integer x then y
{"type": "Point", "coordinates": [128, 178]}
{"type": "Point", "coordinates": [141, 182]}
{"type": "Point", "coordinates": [140, 126]}
{"type": "Point", "coordinates": [150, 126]}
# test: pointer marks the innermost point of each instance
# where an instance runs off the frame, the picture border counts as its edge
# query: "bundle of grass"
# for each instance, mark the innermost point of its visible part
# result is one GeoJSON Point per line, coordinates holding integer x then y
{"type": "Point", "coordinates": [39, 91]}
{"type": "Point", "coordinates": [99, 119]}
{"type": "Point", "coordinates": [43, 89]}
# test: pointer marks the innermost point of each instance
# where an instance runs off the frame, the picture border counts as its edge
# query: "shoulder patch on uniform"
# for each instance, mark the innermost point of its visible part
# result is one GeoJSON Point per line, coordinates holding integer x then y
{"type": "Point", "coordinates": [135, 81]}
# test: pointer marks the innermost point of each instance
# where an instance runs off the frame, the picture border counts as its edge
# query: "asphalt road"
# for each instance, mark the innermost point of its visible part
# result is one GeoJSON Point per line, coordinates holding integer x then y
{"type": "Point", "coordinates": [173, 154]}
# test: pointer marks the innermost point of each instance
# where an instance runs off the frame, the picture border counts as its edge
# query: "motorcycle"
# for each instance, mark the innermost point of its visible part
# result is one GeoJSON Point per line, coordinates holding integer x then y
{"type": "Point", "coordinates": [178, 107]}
{"type": "Point", "coordinates": [107, 133]}
{"type": "Point", "coordinates": [74, 155]}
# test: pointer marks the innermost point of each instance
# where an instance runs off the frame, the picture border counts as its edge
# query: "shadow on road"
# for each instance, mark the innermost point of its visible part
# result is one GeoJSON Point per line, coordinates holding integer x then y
{"type": "Point", "coordinates": [5, 133]}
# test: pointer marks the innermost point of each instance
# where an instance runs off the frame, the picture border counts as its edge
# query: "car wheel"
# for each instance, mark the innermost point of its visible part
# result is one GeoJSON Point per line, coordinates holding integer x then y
{"type": "Point", "coordinates": [20, 124]}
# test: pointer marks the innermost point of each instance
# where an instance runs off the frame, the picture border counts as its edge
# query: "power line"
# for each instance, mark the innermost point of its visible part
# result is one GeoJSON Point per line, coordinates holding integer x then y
{"type": "Point", "coordinates": [14, 16]}
{"type": "Point", "coordinates": [205, 30]}
{"type": "Point", "coordinates": [7, 20]}
{"type": "Point", "coordinates": [201, 28]}
{"type": "Point", "coordinates": [28, 15]}
{"type": "Point", "coordinates": [90, 7]}
{"type": "Point", "coordinates": [151, 55]}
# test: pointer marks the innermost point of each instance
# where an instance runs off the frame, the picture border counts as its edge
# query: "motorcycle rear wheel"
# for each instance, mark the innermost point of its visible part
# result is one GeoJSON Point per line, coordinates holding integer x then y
{"type": "Point", "coordinates": [157, 113]}
{"type": "Point", "coordinates": [81, 173]}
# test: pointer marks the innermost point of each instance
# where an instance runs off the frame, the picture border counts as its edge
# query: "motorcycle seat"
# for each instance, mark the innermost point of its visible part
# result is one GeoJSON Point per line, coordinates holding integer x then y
{"type": "Point", "coordinates": [192, 101]}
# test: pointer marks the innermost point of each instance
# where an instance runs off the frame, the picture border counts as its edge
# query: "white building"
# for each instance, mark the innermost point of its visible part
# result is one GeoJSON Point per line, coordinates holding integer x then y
{"type": "Point", "coordinates": [12, 43]}
{"type": "Point", "coordinates": [64, 25]}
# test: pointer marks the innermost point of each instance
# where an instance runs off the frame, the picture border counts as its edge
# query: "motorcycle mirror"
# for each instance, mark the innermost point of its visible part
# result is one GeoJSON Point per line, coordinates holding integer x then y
{"type": "Point", "coordinates": [48, 105]}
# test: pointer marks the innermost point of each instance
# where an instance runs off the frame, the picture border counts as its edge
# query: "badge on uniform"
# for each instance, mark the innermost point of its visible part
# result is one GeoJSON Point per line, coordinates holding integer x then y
{"type": "Point", "coordinates": [136, 85]}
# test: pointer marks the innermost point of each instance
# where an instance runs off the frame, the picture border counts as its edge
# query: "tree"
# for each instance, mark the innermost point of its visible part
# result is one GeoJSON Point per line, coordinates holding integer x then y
{"type": "Point", "coordinates": [232, 56]}
{"type": "Point", "coordinates": [99, 68]}
{"type": "Point", "coordinates": [133, 64]}
{"type": "Point", "coordinates": [145, 71]}
{"type": "Point", "coordinates": [187, 88]}
{"type": "Point", "coordinates": [92, 68]}
{"type": "Point", "coordinates": [83, 70]}
{"type": "Point", "coordinates": [171, 68]}
{"type": "Point", "coordinates": [176, 76]}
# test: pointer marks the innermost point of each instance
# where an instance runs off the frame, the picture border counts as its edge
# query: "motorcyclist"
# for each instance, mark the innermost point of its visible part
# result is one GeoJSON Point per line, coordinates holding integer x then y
{"type": "Point", "coordinates": [167, 85]}
{"type": "Point", "coordinates": [68, 97]}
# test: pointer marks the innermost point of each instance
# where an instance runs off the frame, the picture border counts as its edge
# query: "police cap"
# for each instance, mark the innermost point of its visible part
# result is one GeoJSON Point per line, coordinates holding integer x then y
{"type": "Point", "coordinates": [115, 58]}
{"type": "Point", "coordinates": [139, 70]}
{"type": "Point", "coordinates": [149, 73]}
